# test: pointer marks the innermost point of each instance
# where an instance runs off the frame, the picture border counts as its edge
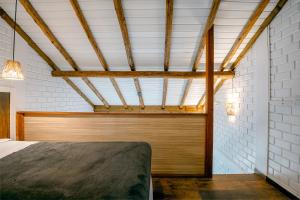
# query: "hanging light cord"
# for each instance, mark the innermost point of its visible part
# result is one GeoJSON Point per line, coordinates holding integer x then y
{"type": "Point", "coordinates": [14, 38]}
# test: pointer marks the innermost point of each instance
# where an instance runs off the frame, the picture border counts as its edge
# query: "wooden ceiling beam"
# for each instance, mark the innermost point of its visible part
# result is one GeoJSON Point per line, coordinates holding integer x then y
{"type": "Point", "coordinates": [122, 23]}
{"type": "Point", "coordinates": [168, 40]}
{"type": "Point", "coordinates": [148, 109]}
{"type": "Point", "coordinates": [41, 53]}
{"type": "Point", "coordinates": [92, 40]}
{"type": "Point", "coordinates": [249, 45]}
{"type": "Point", "coordinates": [46, 30]}
{"type": "Point", "coordinates": [243, 34]}
{"type": "Point", "coordinates": [141, 74]}
{"type": "Point", "coordinates": [261, 28]}
{"type": "Point", "coordinates": [196, 63]}
{"type": "Point", "coordinates": [209, 23]}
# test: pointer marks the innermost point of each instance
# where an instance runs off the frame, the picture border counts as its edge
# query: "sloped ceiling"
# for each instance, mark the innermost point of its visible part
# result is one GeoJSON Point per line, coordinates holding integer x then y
{"type": "Point", "coordinates": [146, 25]}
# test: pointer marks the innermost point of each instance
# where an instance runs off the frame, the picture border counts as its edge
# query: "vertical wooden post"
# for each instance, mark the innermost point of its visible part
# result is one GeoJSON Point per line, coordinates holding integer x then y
{"type": "Point", "coordinates": [20, 126]}
{"type": "Point", "coordinates": [209, 101]}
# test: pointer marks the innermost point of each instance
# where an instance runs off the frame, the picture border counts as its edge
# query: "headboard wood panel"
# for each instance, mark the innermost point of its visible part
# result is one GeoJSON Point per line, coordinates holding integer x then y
{"type": "Point", "coordinates": [177, 140]}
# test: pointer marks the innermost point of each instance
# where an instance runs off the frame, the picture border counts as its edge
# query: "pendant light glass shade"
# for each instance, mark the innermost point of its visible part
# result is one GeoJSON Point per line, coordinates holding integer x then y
{"type": "Point", "coordinates": [12, 70]}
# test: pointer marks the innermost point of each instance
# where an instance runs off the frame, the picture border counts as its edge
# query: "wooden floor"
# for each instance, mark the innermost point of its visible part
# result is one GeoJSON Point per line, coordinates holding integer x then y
{"type": "Point", "coordinates": [220, 187]}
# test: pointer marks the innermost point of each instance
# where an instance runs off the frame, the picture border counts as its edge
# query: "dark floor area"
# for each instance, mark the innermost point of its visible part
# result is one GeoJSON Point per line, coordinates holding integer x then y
{"type": "Point", "coordinates": [220, 187]}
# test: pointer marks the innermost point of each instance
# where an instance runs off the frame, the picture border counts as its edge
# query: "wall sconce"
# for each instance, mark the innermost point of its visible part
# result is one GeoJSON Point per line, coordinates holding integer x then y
{"type": "Point", "coordinates": [230, 109]}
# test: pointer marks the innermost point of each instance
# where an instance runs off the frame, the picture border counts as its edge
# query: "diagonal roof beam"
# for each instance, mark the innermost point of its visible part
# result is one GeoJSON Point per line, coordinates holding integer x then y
{"type": "Point", "coordinates": [168, 38]}
{"type": "Point", "coordinates": [243, 34]}
{"type": "Point", "coordinates": [40, 52]}
{"type": "Point", "coordinates": [46, 30]}
{"type": "Point", "coordinates": [209, 23]}
{"type": "Point", "coordinates": [92, 40]}
{"type": "Point", "coordinates": [127, 44]}
{"type": "Point", "coordinates": [249, 45]}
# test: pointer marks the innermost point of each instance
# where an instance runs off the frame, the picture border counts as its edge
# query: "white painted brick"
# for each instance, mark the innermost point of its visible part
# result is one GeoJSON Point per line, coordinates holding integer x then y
{"type": "Point", "coordinates": [295, 139]}
{"type": "Point", "coordinates": [275, 133]}
{"type": "Point", "coordinates": [291, 156]}
{"type": "Point", "coordinates": [283, 126]}
{"type": "Point", "coordinates": [296, 129]}
{"type": "Point", "coordinates": [283, 109]}
{"type": "Point", "coordinates": [282, 144]}
{"type": "Point", "coordinates": [282, 161]}
{"type": "Point", "coordinates": [295, 166]}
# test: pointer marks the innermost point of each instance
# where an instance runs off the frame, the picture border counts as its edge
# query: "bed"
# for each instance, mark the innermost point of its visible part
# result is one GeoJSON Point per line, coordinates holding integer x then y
{"type": "Point", "coordinates": [68, 170]}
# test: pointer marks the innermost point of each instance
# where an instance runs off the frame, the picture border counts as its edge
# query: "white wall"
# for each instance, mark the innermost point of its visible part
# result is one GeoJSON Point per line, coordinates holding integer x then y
{"type": "Point", "coordinates": [284, 123]}
{"type": "Point", "coordinates": [234, 140]}
{"type": "Point", "coordinates": [268, 120]}
{"type": "Point", "coordinates": [39, 91]}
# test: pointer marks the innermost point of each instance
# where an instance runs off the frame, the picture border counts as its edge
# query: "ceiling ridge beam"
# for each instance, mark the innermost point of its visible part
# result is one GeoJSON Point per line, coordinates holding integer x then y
{"type": "Point", "coordinates": [40, 52]}
{"type": "Point", "coordinates": [168, 42]}
{"type": "Point", "coordinates": [92, 40]}
{"type": "Point", "coordinates": [208, 25]}
{"type": "Point", "coordinates": [49, 34]}
{"type": "Point", "coordinates": [249, 45]}
{"type": "Point", "coordinates": [243, 34]}
{"type": "Point", "coordinates": [122, 23]}
{"type": "Point", "coordinates": [142, 74]}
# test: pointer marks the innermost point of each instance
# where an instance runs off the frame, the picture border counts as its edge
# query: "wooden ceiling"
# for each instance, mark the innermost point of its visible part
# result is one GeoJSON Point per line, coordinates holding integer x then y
{"type": "Point", "coordinates": [139, 37]}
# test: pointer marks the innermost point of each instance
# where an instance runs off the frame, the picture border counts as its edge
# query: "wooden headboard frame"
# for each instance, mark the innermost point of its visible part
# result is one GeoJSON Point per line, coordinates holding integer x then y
{"type": "Point", "coordinates": [177, 140]}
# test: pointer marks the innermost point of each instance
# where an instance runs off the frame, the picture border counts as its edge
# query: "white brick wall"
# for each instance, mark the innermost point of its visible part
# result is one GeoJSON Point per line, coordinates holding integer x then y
{"type": "Point", "coordinates": [236, 140]}
{"type": "Point", "coordinates": [284, 110]}
{"type": "Point", "coordinates": [39, 91]}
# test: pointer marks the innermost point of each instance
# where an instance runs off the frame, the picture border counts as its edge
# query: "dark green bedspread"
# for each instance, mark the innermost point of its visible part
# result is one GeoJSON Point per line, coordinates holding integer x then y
{"type": "Point", "coordinates": [88, 170]}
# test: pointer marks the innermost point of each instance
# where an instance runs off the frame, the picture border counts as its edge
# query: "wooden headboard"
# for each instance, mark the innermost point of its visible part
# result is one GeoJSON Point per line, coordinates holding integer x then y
{"type": "Point", "coordinates": [177, 140]}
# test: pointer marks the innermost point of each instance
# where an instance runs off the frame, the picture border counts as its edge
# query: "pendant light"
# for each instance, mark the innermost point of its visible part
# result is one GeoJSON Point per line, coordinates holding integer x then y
{"type": "Point", "coordinates": [12, 69]}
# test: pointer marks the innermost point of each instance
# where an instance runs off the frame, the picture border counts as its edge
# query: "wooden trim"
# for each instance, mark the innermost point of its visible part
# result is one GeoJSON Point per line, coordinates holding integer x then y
{"type": "Point", "coordinates": [124, 30]}
{"type": "Point", "coordinates": [168, 33]}
{"type": "Point", "coordinates": [78, 91]}
{"type": "Point", "coordinates": [209, 23]}
{"type": "Point", "coordinates": [142, 74]}
{"type": "Point", "coordinates": [148, 109]}
{"type": "Point", "coordinates": [96, 92]}
{"type": "Point", "coordinates": [186, 91]}
{"type": "Point", "coordinates": [48, 33]}
{"type": "Point", "coordinates": [92, 40]}
{"type": "Point", "coordinates": [168, 40]}
{"type": "Point", "coordinates": [40, 52]}
{"type": "Point", "coordinates": [155, 175]}
{"type": "Point", "coordinates": [88, 32]}
{"type": "Point", "coordinates": [262, 27]}
{"type": "Point", "coordinates": [118, 91]}
{"type": "Point", "coordinates": [249, 45]}
{"type": "Point", "coordinates": [251, 21]}
{"type": "Point", "coordinates": [20, 126]}
{"type": "Point", "coordinates": [209, 101]}
{"type": "Point", "coordinates": [217, 86]}
{"type": "Point", "coordinates": [127, 45]}
{"type": "Point", "coordinates": [68, 114]}
{"type": "Point", "coordinates": [165, 92]}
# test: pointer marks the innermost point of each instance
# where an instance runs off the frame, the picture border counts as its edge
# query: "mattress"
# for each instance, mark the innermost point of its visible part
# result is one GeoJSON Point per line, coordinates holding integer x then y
{"type": "Point", "coordinates": [85, 170]}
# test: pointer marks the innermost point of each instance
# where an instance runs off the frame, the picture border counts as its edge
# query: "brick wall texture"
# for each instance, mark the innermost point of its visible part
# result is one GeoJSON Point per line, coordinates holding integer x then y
{"type": "Point", "coordinates": [236, 141]}
{"type": "Point", "coordinates": [41, 92]}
